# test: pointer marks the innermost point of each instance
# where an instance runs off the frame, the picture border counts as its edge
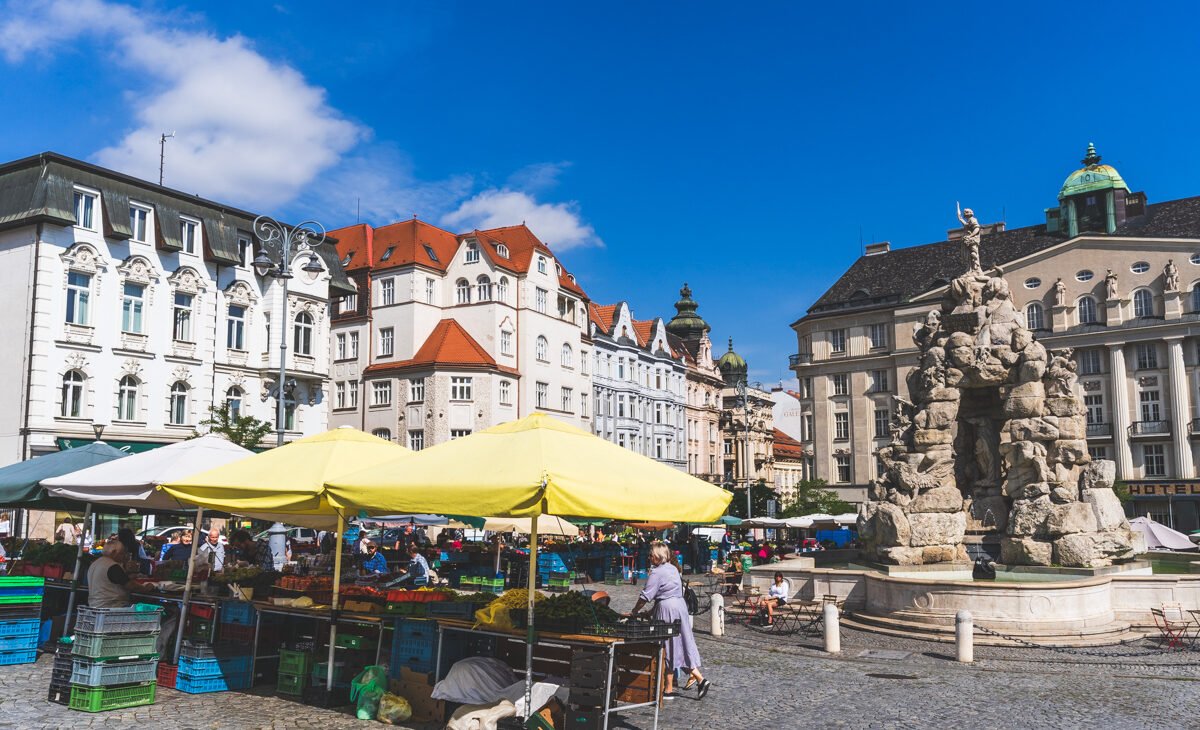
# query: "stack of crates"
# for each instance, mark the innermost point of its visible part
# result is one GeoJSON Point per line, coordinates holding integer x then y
{"type": "Point", "coordinates": [294, 666]}
{"type": "Point", "coordinates": [20, 622]}
{"type": "Point", "coordinates": [414, 646]}
{"type": "Point", "coordinates": [205, 668]}
{"type": "Point", "coordinates": [589, 683]}
{"type": "Point", "coordinates": [60, 674]}
{"type": "Point", "coordinates": [114, 660]}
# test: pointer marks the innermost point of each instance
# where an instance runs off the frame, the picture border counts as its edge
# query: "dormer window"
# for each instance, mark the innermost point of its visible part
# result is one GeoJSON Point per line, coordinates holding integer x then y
{"type": "Point", "coordinates": [558, 268]}
{"type": "Point", "coordinates": [472, 256]}
{"type": "Point", "coordinates": [541, 264]}
{"type": "Point", "coordinates": [429, 252]}
{"type": "Point", "coordinates": [387, 254]}
{"type": "Point", "coordinates": [189, 233]}
{"type": "Point", "coordinates": [85, 209]}
{"type": "Point", "coordinates": [502, 251]}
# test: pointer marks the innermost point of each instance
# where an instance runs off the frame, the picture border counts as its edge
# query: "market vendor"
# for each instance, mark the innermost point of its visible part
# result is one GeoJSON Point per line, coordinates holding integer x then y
{"type": "Point", "coordinates": [375, 562]}
{"type": "Point", "coordinates": [107, 580]}
{"type": "Point", "coordinates": [418, 567]}
{"type": "Point", "coordinates": [253, 552]}
{"type": "Point", "coordinates": [213, 550]}
{"type": "Point", "coordinates": [182, 550]}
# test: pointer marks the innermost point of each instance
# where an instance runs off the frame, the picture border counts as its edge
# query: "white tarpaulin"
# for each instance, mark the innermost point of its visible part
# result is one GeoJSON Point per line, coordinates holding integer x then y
{"type": "Point", "coordinates": [1159, 536]}
{"type": "Point", "coordinates": [132, 481]}
{"type": "Point", "coordinates": [547, 525]}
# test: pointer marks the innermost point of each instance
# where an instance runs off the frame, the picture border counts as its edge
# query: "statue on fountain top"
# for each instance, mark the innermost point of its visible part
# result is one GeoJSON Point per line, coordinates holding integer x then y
{"type": "Point", "coordinates": [970, 239]}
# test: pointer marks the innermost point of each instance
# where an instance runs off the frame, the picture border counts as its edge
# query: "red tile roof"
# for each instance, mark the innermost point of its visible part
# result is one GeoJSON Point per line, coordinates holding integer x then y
{"type": "Point", "coordinates": [644, 330]}
{"type": "Point", "coordinates": [787, 447]}
{"type": "Point", "coordinates": [522, 245]}
{"type": "Point", "coordinates": [406, 240]}
{"type": "Point", "coordinates": [449, 345]}
{"type": "Point", "coordinates": [680, 349]}
{"type": "Point", "coordinates": [355, 242]}
{"type": "Point", "coordinates": [602, 316]}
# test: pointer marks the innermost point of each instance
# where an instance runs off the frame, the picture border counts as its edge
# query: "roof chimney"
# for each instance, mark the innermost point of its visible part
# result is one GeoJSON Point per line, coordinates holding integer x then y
{"type": "Point", "coordinates": [874, 249]}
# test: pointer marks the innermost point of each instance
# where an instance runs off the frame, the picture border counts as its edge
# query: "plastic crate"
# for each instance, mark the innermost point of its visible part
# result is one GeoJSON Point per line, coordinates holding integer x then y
{"type": "Point", "coordinates": [322, 697]}
{"type": "Point", "coordinates": [20, 627]}
{"type": "Point", "coordinates": [200, 629]}
{"type": "Point", "coordinates": [202, 610]}
{"type": "Point", "coordinates": [34, 591]}
{"type": "Point", "coordinates": [20, 611]}
{"type": "Point", "coordinates": [410, 628]}
{"type": "Point", "coordinates": [320, 673]}
{"type": "Point", "coordinates": [208, 651]}
{"type": "Point", "coordinates": [218, 683]}
{"type": "Point", "coordinates": [496, 585]}
{"type": "Point", "coordinates": [59, 694]}
{"type": "Point", "coordinates": [455, 609]}
{"type": "Point", "coordinates": [98, 646]}
{"type": "Point", "coordinates": [212, 667]}
{"type": "Point", "coordinates": [237, 612]}
{"type": "Point", "coordinates": [236, 634]}
{"type": "Point", "coordinates": [24, 656]}
{"type": "Point", "coordinates": [100, 699]}
{"type": "Point", "coordinates": [137, 619]}
{"type": "Point", "coordinates": [14, 581]}
{"type": "Point", "coordinates": [21, 599]}
{"type": "Point", "coordinates": [291, 684]}
{"type": "Point", "coordinates": [350, 641]}
{"type": "Point", "coordinates": [166, 674]}
{"type": "Point", "coordinates": [18, 643]}
{"type": "Point", "coordinates": [294, 662]}
{"type": "Point", "coordinates": [104, 674]}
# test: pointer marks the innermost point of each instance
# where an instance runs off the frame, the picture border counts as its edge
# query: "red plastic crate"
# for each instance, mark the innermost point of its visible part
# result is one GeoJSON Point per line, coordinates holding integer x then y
{"type": "Point", "coordinates": [203, 611]}
{"type": "Point", "coordinates": [236, 633]}
{"type": "Point", "coordinates": [166, 674]}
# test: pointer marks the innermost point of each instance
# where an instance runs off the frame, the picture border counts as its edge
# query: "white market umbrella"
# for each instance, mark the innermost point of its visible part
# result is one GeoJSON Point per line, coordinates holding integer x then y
{"type": "Point", "coordinates": [547, 525]}
{"type": "Point", "coordinates": [1159, 536]}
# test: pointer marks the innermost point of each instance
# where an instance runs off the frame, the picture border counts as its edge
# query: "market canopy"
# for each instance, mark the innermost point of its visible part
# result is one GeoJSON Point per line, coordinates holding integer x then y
{"type": "Point", "coordinates": [20, 482]}
{"type": "Point", "coordinates": [536, 465]}
{"type": "Point", "coordinates": [1161, 537]}
{"type": "Point", "coordinates": [288, 482]}
{"type": "Point", "coordinates": [132, 482]}
{"type": "Point", "coordinates": [546, 525]}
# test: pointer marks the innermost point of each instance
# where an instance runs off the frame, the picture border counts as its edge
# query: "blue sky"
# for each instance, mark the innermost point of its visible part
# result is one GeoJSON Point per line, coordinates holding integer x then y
{"type": "Point", "coordinates": [745, 148]}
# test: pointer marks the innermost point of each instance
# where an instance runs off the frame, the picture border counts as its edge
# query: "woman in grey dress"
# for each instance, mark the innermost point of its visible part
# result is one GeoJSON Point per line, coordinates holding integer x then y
{"type": "Point", "coordinates": [664, 586]}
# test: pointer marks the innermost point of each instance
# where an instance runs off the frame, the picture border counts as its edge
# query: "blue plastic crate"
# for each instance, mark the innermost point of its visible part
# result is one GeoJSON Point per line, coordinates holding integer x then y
{"type": "Point", "coordinates": [410, 628]}
{"type": "Point", "coordinates": [237, 612]}
{"type": "Point", "coordinates": [203, 668]}
{"type": "Point", "coordinates": [18, 643]}
{"type": "Point", "coordinates": [23, 627]}
{"type": "Point", "coordinates": [414, 654]}
{"type": "Point", "coordinates": [9, 591]}
{"type": "Point", "coordinates": [25, 656]}
{"type": "Point", "coordinates": [200, 685]}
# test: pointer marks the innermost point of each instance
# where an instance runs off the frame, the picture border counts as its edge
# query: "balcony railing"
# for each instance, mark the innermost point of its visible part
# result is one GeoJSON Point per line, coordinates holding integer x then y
{"type": "Point", "coordinates": [1149, 428]}
{"type": "Point", "coordinates": [1099, 430]}
{"type": "Point", "coordinates": [800, 358]}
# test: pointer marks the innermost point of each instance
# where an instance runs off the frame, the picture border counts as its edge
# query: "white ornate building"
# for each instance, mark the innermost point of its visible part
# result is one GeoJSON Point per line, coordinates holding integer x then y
{"type": "Point", "coordinates": [133, 306]}
{"type": "Point", "coordinates": [639, 383]}
{"type": "Point", "coordinates": [449, 334]}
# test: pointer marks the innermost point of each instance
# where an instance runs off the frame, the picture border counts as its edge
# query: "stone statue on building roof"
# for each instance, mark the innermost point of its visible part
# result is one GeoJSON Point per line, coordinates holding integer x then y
{"type": "Point", "coordinates": [970, 239]}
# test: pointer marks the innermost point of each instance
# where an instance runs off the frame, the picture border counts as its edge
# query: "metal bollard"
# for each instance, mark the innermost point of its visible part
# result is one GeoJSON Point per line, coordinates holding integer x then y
{"type": "Point", "coordinates": [964, 636]}
{"type": "Point", "coordinates": [716, 615]}
{"type": "Point", "coordinates": [833, 629]}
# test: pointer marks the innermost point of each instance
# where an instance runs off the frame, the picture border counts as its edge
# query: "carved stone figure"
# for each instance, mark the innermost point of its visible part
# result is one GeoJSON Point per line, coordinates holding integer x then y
{"type": "Point", "coordinates": [970, 239]}
{"type": "Point", "coordinates": [1060, 293]}
{"type": "Point", "coordinates": [1110, 285]}
{"type": "Point", "coordinates": [1171, 276]}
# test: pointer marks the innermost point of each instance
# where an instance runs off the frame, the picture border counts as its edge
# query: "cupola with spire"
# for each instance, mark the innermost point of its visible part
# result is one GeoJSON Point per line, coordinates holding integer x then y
{"type": "Point", "coordinates": [732, 366]}
{"type": "Point", "coordinates": [687, 325]}
{"type": "Point", "coordinates": [1093, 199]}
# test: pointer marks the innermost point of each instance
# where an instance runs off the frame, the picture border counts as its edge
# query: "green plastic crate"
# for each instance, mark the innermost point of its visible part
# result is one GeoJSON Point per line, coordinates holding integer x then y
{"type": "Point", "coordinates": [291, 684]}
{"type": "Point", "coordinates": [294, 662]}
{"type": "Point", "coordinates": [101, 699]}
{"type": "Point", "coordinates": [21, 581]}
{"type": "Point", "coordinates": [350, 641]}
{"type": "Point", "coordinates": [109, 646]}
{"type": "Point", "coordinates": [496, 585]}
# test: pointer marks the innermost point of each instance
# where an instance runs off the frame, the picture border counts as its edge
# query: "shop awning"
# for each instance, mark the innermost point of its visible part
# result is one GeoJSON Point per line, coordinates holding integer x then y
{"type": "Point", "coordinates": [129, 447]}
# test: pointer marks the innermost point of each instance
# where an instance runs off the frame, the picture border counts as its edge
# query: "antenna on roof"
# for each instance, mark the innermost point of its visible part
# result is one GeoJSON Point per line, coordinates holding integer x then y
{"type": "Point", "coordinates": [357, 211]}
{"type": "Point", "coordinates": [162, 152]}
{"type": "Point", "coordinates": [861, 249]}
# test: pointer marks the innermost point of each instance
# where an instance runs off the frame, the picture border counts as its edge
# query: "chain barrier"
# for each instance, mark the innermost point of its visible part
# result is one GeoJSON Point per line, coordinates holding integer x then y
{"type": "Point", "coordinates": [1070, 650]}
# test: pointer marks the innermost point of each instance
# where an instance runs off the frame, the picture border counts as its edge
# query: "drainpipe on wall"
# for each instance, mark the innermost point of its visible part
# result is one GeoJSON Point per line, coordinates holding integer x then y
{"type": "Point", "coordinates": [216, 330]}
{"type": "Point", "coordinates": [37, 251]}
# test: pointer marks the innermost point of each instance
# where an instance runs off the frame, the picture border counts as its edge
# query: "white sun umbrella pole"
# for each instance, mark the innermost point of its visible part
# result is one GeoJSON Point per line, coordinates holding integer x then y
{"type": "Point", "coordinates": [187, 586]}
{"type": "Point", "coordinates": [529, 633]}
{"type": "Point", "coordinates": [70, 621]}
{"type": "Point", "coordinates": [333, 610]}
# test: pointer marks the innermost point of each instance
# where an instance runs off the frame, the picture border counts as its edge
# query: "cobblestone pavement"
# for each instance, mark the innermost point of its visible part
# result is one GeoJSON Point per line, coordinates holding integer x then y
{"type": "Point", "coordinates": [770, 681]}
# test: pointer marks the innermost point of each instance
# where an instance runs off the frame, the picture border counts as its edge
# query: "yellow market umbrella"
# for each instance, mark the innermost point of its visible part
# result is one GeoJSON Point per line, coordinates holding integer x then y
{"type": "Point", "coordinates": [290, 481]}
{"type": "Point", "coordinates": [534, 466]}
{"type": "Point", "coordinates": [537, 465]}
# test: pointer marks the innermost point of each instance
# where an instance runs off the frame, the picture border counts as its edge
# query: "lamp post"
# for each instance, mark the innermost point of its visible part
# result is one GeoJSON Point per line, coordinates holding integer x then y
{"type": "Point", "coordinates": [98, 429]}
{"type": "Point", "coordinates": [297, 240]}
{"type": "Point", "coordinates": [743, 395]}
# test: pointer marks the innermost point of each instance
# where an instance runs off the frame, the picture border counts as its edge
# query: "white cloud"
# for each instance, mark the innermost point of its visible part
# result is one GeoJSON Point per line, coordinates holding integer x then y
{"type": "Point", "coordinates": [249, 131]}
{"type": "Point", "coordinates": [537, 177]}
{"type": "Point", "coordinates": [558, 224]}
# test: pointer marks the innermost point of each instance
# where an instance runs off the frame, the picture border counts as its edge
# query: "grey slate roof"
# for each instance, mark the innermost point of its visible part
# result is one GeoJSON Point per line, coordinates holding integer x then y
{"type": "Point", "coordinates": [904, 273]}
{"type": "Point", "coordinates": [41, 189]}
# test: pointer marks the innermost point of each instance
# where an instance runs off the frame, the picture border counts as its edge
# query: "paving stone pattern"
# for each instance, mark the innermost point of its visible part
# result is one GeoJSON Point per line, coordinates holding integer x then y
{"type": "Point", "coordinates": [768, 681]}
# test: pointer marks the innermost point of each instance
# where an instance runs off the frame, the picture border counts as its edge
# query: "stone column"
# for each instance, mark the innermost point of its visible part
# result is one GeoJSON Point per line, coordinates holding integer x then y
{"type": "Point", "coordinates": [1120, 410]}
{"type": "Point", "coordinates": [1181, 410]}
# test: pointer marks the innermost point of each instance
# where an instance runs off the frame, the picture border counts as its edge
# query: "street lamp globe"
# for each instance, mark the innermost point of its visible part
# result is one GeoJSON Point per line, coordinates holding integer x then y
{"type": "Point", "coordinates": [312, 268]}
{"type": "Point", "coordinates": [263, 265]}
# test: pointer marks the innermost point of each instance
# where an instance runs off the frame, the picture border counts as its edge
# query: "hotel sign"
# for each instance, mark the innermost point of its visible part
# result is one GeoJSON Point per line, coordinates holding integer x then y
{"type": "Point", "coordinates": [1145, 489]}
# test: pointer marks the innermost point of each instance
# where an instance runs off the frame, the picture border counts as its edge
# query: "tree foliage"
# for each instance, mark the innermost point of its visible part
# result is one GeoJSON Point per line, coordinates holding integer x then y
{"type": "Point", "coordinates": [245, 431]}
{"type": "Point", "coordinates": [813, 498]}
{"type": "Point", "coordinates": [760, 492]}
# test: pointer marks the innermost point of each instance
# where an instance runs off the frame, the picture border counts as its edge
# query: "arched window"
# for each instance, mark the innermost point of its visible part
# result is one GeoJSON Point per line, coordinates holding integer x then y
{"type": "Point", "coordinates": [233, 401]}
{"type": "Point", "coordinates": [541, 264]}
{"type": "Point", "coordinates": [72, 394]}
{"type": "Point", "coordinates": [483, 288]}
{"type": "Point", "coordinates": [127, 397]}
{"type": "Point", "coordinates": [502, 289]}
{"type": "Point", "coordinates": [568, 355]}
{"type": "Point", "coordinates": [463, 289]}
{"type": "Point", "coordinates": [1143, 303]}
{"type": "Point", "coordinates": [178, 415]}
{"type": "Point", "coordinates": [542, 349]}
{"type": "Point", "coordinates": [502, 251]}
{"type": "Point", "coordinates": [302, 334]}
{"type": "Point", "coordinates": [382, 433]}
{"type": "Point", "coordinates": [1196, 297]}
{"type": "Point", "coordinates": [1085, 310]}
{"type": "Point", "coordinates": [1034, 316]}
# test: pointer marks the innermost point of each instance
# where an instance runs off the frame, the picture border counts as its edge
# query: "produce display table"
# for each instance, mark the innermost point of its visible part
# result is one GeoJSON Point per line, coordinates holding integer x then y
{"type": "Point", "coordinates": [318, 615]}
{"type": "Point", "coordinates": [633, 677]}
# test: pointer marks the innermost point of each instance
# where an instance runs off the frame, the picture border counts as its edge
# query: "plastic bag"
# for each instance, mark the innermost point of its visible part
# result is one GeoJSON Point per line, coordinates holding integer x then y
{"type": "Point", "coordinates": [372, 677]}
{"type": "Point", "coordinates": [368, 703]}
{"type": "Point", "coordinates": [393, 709]}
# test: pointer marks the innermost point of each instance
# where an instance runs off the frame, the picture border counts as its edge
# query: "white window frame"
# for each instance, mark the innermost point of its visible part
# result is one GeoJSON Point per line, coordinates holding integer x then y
{"type": "Point", "coordinates": [541, 349]}
{"type": "Point", "coordinates": [1143, 303]}
{"type": "Point", "coordinates": [837, 341]}
{"type": "Point", "coordinates": [352, 393]}
{"type": "Point", "coordinates": [245, 251]}
{"type": "Point", "coordinates": [79, 299]}
{"type": "Point", "coordinates": [302, 334]}
{"type": "Point", "coordinates": [430, 291]}
{"type": "Point", "coordinates": [541, 395]}
{"type": "Point", "coordinates": [1035, 316]}
{"type": "Point", "coordinates": [416, 439]}
{"type": "Point", "coordinates": [540, 297]}
{"type": "Point", "coordinates": [416, 390]}
{"type": "Point", "coordinates": [74, 391]}
{"type": "Point", "coordinates": [458, 433]}
{"type": "Point", "coordinates": [387, 341]}
{"type": "Point", "coordinates": [462, 291]}
{"type": "Point", "coordinates": [182, 316]}
{"type": "Point", "coordinates": [461, 388]}
{"type": "Point", "coordinates": [471, 256]}
{"type": "Point", "coordinates": [235, 328]}
{"type": "Point", "coordinates": [127, 398]}
{"type": "Point", "coordinates": [353, 345]}
{"type": "Point", "coordinates": [189, 234]}
{"type": "Point", "coordinates": [568, 400]}
{"type": "Point", "coordinates": [505, 342]}
{"type": "Point", "coordinates": [140, 218]}
{"type": "Point", "coordinates": [86, 204]}
{"type": "Point", "coordinates": [505, 393]}
{"type": "Point", "coordinates": [133, 309]}
{"type": "Point", "coordinates": [339, 351]}
{"type": "Point", "coordinates": [381, 393]}
{"type": "Point", "coordinates": [178, 404]}
{"type": "Point", "coordinates": [387, 291]}
{"type": "Point", "coordinates": [541, 264]}
{"type": "Point", "coordinates": [339, 393]}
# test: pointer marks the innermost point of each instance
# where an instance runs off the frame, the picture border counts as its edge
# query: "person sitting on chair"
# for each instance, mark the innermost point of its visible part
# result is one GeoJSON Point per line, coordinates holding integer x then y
{"type": "Point", "coordinates": [375, 562]}
{"type": "Point", "coordinates": [418, 567]}
{"type": "Point", "coordinates": [777, 595]}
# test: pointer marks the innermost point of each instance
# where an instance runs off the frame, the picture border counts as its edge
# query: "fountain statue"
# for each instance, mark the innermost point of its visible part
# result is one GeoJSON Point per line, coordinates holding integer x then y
{"type": "Point", "coordinates": [993, 435]}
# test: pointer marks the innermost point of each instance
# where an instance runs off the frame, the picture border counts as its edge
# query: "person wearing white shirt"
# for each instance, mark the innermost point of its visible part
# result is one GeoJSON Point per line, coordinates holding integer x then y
{"type": "Point", "coordinates": [777, 595]}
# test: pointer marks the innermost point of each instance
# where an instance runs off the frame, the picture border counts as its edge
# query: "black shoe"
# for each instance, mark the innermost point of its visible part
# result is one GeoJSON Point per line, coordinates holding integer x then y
{"type": "Point", "coordinates": [703, 689]}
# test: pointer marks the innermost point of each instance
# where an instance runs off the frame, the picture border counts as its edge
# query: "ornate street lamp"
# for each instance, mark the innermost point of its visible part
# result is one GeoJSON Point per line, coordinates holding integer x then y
{"type": "Point", "coordinates": [742, 394]}
{"type": "Point", "coordinates": [295, 241]}
{"type": "Point", "coordinates": [98, 429]}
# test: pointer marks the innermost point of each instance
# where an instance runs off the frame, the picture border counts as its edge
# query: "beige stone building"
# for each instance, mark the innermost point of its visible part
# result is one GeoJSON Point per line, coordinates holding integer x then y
{"type": "Point", "coordinates": [1108, 274]}
{"type": "Point", "coordinates": [688, 334]}
{"type": "Point", "coordinates": [747, 425]}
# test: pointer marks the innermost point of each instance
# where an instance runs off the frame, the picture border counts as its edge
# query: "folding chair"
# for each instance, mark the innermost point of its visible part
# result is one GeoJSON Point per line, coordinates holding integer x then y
{"type": "Point", "coordinates": [1173, 631]}
{"type": "Point", "coordinates": [1175, 613]}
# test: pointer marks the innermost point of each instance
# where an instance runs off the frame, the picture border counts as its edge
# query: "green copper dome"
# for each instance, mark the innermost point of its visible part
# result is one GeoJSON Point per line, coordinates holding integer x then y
{"type": "Point", "coordinates": [687, 324]}
{"type": "Point", "coordinates": [1092, 176]}
{"type": "Point", "coordinates": [732, 366]}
